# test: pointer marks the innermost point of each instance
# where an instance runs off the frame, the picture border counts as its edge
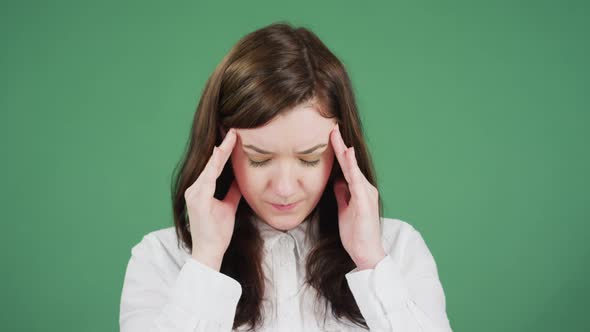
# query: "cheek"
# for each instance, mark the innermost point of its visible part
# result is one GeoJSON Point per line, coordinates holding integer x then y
{"type": "Point", "coordinates": [322, 174]}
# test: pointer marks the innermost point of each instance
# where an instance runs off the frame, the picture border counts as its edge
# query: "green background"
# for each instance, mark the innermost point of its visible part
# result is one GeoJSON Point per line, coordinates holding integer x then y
{"type": "Point", "coordinates": [476, 113]}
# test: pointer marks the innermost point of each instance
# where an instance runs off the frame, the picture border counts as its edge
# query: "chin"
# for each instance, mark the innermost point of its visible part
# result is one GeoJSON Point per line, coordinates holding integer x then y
{"type": "Point", "coordinates": [284, 222]}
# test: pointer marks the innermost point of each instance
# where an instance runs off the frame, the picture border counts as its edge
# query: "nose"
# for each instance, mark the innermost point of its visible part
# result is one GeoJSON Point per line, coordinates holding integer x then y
{"type": "Point", "coordinates": [284, 184]}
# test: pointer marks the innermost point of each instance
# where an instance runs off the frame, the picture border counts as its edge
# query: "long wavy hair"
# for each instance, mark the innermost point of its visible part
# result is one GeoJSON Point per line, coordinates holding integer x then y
{"type": "Point", "coordinates": [266, 73]}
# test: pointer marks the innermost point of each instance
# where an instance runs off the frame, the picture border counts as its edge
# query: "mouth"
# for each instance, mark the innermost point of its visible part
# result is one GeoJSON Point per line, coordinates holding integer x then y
{"type": "Point", "coordinates": [284, 207]}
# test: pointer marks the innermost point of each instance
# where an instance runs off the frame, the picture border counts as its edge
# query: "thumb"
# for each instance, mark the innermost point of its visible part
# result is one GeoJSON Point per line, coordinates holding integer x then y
{"type": "Point", "coordinates": [342, 194]}
{"type": "Point", "coordinates": [233, 195]}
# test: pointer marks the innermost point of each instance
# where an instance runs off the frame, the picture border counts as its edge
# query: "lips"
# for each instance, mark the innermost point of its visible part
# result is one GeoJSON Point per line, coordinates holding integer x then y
{"type": "Point", "coordinates": [284, 207]}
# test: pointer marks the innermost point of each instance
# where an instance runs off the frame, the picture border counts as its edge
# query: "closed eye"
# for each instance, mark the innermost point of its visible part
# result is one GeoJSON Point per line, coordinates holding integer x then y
{"type": "Point", "coordinates": [304, 162]}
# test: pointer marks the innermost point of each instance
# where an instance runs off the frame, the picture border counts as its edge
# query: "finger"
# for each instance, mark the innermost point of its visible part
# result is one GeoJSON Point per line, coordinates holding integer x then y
{"type": "Point", "coordinates": [341, 193]}
{"type": "Point", "coordinates": [356, 176]}
{"type": "Point", "coordinates": [233, 195]}
{"type": "Point", "coordinates": [205, 184]}
{"type": "Point", "coordinates": [339, 150]}
{"type": "Point", "coordinates": [219, 157]}
{"type": "Point", "coordinates": [208, 178]}
{"type": "Point", "coordinates": [225, 149]}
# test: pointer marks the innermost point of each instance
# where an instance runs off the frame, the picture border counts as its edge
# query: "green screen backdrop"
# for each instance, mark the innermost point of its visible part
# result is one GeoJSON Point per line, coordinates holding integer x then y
{"type": "Point", "coordinates": [476, 113]}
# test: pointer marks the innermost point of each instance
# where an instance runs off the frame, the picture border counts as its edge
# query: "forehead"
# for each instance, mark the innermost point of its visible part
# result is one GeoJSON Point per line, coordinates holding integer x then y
{"type": "Point", "coordinates": [297, 129]}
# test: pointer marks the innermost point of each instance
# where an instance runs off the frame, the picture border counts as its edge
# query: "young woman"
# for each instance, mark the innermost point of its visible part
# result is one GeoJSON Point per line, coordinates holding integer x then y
{"type": "Point", "coordinates": [289, 235]}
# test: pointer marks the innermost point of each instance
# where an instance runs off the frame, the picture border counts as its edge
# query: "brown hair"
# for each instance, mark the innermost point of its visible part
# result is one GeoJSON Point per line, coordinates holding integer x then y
{"type": "Point", "coordinates": [266, 73]}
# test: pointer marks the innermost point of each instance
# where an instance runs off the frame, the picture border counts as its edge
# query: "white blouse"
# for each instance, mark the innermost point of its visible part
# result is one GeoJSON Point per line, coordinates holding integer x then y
{"type": "Point", "coordinates": [165, 289]}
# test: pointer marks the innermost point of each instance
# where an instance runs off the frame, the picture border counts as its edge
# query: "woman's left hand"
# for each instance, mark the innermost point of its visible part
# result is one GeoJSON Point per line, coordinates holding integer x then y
{"type": "Point", "coordinates": [358, 208]}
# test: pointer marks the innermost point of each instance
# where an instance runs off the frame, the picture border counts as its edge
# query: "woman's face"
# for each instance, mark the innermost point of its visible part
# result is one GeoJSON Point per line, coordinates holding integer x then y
{"type": "Point", "coordinates": [274, 164]}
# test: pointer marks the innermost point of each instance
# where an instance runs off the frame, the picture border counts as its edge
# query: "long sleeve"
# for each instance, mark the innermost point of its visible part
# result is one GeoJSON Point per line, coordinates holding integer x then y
{"type": "Point", "coordinates": [157, 298]}
{"type": "Point", "coordinates": [402, 294]}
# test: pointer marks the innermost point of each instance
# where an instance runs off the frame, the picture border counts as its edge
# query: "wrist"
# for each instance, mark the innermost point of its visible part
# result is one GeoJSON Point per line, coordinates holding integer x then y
{"type": "Point", "coordinates": [369, 263]}
{"type": "Point", "coordinates": [212, 261]}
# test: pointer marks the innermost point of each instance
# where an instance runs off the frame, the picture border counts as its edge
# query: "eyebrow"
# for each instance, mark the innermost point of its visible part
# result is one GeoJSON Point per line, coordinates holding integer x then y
{"type": "Point", "coordinates": [259, 150]}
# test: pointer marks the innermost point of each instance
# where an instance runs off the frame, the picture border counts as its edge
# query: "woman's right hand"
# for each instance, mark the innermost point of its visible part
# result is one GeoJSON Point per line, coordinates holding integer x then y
{"type": "Point", "coordinates": [211, 220]}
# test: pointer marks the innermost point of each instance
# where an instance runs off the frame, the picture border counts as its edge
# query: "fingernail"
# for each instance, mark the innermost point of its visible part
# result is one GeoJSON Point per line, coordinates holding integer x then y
{"type": "Point", "coordinates": [337, 128]}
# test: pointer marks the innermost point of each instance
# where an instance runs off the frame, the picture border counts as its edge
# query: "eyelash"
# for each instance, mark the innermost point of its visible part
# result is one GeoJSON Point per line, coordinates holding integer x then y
{"type": "Point", "coordinates": [305, 163]}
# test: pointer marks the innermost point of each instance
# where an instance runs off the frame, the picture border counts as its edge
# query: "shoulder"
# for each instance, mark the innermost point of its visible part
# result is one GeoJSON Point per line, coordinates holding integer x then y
{"type": "Point", "coordinates": [162, 248]}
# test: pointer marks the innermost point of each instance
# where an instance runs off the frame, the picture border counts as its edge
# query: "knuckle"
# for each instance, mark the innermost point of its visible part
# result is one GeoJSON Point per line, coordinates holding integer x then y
{"type": "Point", "coordinates": [221, 150]}
{"type": "Point", "coordinates": [374, 193]}
{"type": "Point", "coordinates": [189, 191]}
{"type": "Point", "coordinates": [373, 190]}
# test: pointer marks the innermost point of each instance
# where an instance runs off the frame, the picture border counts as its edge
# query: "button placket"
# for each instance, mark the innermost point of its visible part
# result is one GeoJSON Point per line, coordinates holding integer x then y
{"type": "Point", "coordinates": [286, 249]}
{"type": "Point", "coordinates": [287, 302]}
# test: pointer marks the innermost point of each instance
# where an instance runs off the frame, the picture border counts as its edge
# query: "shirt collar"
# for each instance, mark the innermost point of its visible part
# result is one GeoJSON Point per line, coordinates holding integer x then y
{"type": "Point", "coordinates": [303, 234]}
